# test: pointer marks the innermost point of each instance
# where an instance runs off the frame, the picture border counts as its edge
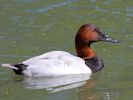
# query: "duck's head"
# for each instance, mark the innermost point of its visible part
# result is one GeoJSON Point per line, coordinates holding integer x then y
{"type": "Point", "coordinates": [88, 34]}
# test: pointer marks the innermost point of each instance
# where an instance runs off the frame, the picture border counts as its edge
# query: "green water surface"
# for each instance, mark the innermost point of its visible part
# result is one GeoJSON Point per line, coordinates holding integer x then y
{"type": "Point", "coordinates": [32, 27]}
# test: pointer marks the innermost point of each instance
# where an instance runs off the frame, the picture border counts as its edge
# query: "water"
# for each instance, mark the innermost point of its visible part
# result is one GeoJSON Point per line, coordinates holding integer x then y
{"type": "Point", "coordinates": [32, 27]}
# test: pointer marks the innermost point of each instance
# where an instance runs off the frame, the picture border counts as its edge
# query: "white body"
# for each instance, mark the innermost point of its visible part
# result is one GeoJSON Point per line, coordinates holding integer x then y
{"type": "Point", "coordinates": [55, 63]}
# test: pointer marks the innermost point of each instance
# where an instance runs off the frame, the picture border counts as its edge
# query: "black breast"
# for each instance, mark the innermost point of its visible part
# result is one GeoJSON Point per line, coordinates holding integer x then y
{"type": "Point", "coordinates": [95, 63]}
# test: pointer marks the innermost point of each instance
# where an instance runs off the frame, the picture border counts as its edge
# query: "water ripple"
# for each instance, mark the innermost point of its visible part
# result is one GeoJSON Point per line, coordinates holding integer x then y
{"type": "Point", "coordinates": [50, 7]}
{"type": "Point", "coordinates": [29, 0]}
{"type": "Point", "coordinates": [97, 8]}
{"type": "Point", "coordinates": [107, 2]}
{"type": "Point", "coordinates": [129, 9]}
{"type": "Point", "coordinates": [129, 15]}
{"type": "Point", "coordinates": [14, 56]}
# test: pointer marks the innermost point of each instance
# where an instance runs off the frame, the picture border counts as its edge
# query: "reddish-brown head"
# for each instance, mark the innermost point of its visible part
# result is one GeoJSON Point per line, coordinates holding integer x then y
{"type": "Point", "coordinates": [86, 35]}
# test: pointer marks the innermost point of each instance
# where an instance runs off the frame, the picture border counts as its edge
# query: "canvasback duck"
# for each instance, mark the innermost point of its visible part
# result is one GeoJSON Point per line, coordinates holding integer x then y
{"type": "Point", "coordinates": [58, 63]}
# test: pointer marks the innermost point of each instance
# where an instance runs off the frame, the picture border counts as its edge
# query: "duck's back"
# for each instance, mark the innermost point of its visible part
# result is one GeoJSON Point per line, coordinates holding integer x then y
{"type": "Point", "coordinates": [55, 63]}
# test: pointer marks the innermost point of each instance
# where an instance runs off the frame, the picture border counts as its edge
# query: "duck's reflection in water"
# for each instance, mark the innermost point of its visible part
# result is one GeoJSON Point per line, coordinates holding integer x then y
{"type": "Point", "coordinates": [55, 84]}
{"type": "Point", "coordinates": [72, 87]}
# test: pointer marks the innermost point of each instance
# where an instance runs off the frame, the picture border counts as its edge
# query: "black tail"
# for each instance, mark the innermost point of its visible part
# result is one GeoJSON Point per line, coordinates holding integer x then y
{"type": "Point", "coordinates": [20, 69]}
{"type": "Point", "coordinates": [17, 68]}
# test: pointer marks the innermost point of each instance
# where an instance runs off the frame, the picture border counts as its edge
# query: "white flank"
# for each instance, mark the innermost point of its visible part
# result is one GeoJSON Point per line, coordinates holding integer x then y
{"type": "Point", "coordinates": [55, 63]}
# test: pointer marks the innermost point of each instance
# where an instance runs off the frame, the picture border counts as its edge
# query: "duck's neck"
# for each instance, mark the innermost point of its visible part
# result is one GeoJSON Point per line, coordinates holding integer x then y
{"type": "Point", "coordinates": [93, 61]}
{"type": "Point", "coordinates": [84, 51]}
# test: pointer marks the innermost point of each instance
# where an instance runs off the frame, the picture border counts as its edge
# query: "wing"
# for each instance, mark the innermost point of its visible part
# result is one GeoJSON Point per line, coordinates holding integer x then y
{"type": "Point", "coordinates": [48, 55]}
